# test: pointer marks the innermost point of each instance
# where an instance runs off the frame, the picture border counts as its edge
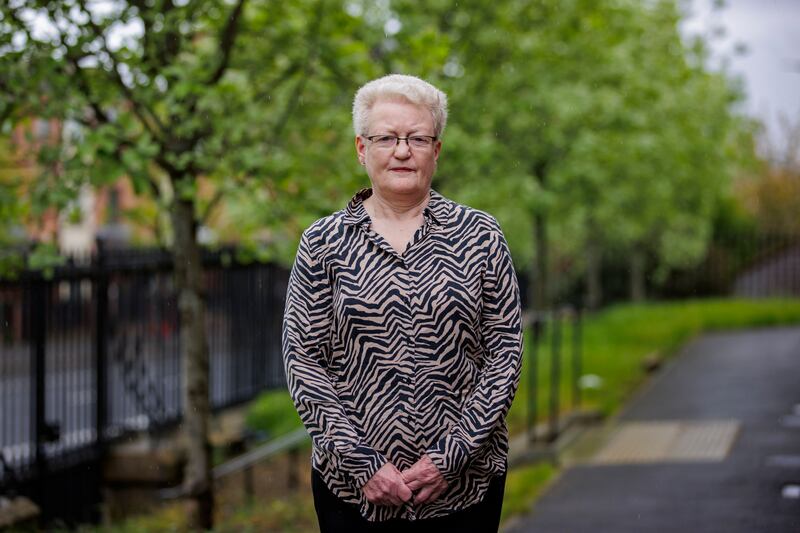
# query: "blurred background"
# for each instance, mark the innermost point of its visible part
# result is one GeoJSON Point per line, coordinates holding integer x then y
{"type": "Point", "coordinates": [642, 157]}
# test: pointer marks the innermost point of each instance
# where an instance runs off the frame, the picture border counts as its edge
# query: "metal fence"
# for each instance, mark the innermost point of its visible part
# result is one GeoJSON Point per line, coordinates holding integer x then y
{"type": "Point", "coordinates": [747, 264]}
{"type": "Point", "coordinates": [741, 264]}
{"type": "Point", "coordinates": [554, 369]}
{"type": "Point", "coordinates": [92, 353]}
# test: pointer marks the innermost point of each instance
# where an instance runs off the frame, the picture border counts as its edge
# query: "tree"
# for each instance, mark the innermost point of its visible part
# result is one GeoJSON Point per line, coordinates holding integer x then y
{"type": "Point", "coordinates": [771, 190]}
{"type": "Point", "coordinates": [241, 103]}
{"type": "Point", "coordinates": [593, 121]}
{"type": "Point", "coordinates": [169, 94]}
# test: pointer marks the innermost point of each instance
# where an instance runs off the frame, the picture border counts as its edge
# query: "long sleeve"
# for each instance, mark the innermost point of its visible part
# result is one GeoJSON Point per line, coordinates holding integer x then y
{"type": "Point", "coordinates": [306, 334]}
{"type": "Point", "coordinates": [490, 399]}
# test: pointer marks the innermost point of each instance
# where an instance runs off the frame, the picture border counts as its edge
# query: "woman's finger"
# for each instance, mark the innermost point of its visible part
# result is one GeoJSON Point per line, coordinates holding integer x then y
{"type": "Point", "coordinates": [384, 499]}
{"type": "Point", "coordinates": [432, 492]}
{"type": "Point", "coordinates": [414, 484]}
{"type": "Point", "coordinates": [423, 495]}
{"type": "Point", "coordinates": [404, 492]}
{"type": "Point", "coordinates": [438, 491]}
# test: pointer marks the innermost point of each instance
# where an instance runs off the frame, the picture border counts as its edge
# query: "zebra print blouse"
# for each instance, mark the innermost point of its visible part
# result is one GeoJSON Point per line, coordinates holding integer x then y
{"type": "Point", "coordinates": [390, 356]}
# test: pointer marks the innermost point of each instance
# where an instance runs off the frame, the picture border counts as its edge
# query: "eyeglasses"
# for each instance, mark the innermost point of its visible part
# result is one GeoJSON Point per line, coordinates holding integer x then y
{"type": "Point", "coordinates": [389, 142]}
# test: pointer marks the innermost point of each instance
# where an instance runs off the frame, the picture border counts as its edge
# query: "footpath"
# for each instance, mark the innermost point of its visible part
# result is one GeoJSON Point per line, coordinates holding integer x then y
{"type": "Point", "coordinates": [710, 445]}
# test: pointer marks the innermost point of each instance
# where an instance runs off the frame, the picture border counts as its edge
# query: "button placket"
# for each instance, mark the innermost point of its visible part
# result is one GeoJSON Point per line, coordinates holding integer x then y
{"type": "Point", "coordinates": [404, 408]}
{"type": "Point", "coordinates": [411, 340]}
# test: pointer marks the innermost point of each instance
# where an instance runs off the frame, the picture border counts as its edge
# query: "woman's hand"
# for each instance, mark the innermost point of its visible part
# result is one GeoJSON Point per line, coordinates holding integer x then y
{"type": "Point", "coordinates": [424, 476]}
{"type": "Point", "coordinates": [387, 487]}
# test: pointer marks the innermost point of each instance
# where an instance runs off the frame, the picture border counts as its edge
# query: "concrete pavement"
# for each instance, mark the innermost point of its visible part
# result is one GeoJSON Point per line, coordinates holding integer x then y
{"type": "Point", "coordinates": [711, 444]}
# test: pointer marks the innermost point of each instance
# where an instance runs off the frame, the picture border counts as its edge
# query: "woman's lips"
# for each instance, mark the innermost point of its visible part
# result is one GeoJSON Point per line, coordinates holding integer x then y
{"type": "Point", "coordinates": [402, 169]}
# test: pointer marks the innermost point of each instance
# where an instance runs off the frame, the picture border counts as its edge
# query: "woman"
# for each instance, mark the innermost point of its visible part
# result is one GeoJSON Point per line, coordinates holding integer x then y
{"type": "Point", "coordinates": [402, 340]}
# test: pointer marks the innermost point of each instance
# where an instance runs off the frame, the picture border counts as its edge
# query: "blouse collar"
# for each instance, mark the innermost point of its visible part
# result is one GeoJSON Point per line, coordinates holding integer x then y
{"type": "Point", "coordinates": [437, 210]}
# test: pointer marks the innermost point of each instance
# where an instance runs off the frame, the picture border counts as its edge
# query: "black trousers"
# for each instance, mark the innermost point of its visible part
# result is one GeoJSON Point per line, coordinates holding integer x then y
{"type": "Point", "coordinates": [337, 516]}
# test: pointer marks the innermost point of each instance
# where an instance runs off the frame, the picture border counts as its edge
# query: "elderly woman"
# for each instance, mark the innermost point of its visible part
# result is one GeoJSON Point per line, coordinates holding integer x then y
{"type": "Point", "coordinates": [402, 337]}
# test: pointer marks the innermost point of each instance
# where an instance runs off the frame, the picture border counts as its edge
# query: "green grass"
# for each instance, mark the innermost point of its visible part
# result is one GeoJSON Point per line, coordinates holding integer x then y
{"type": "Point", "coordinates": [168, 519]}
{"type": "Point", "coordinates": [291, 514]}
{"type": "Point", "coordinates": [273, 413]}
{"type": "Point", "coordinates": [523, 486]}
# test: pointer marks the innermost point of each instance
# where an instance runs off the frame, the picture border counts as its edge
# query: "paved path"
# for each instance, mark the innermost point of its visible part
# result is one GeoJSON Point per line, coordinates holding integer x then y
{"type": "Point", "coordinates": [711, 448]}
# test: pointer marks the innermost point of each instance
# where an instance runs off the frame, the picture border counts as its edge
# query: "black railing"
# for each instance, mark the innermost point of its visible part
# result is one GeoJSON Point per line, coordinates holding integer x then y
{"type": "Point", "coordinates": [92, 353]}
{"type": "Point", "coordinates": [747, 264]}
{"type": "Point", "coordinates": [554, 369]}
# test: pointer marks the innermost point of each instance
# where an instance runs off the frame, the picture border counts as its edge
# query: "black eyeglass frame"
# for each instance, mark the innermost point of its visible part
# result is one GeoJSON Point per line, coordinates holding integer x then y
{"type": "Point", "coordinates": [397, 139]}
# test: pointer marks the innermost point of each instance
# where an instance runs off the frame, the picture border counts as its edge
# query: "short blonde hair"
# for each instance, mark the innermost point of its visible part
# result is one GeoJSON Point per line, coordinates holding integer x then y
{"type": "Point", "coordinates": [399, 87]}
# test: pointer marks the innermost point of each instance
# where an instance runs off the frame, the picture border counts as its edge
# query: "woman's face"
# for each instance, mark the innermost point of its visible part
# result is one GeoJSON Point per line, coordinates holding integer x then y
{"type": "Point", "coordinates": [399, 170]}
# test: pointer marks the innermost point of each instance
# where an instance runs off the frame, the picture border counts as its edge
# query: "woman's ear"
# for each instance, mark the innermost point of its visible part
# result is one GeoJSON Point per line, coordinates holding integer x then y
{"type": "Point", "coordinates": [361, 150]}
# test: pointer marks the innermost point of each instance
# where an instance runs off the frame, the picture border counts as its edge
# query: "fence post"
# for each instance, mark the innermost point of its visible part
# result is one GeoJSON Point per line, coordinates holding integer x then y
{"type": "Point", "coordinates": [293, 479]}
{"type": "Point", "coordinates": [38, 324]}
{"type": "Point", "coordinates": [577, 361]}
{"type": "Point", "coordinates": [555, 374]}
{"type": "Point", "coordinates": [249, 484]}
{"type": "Point", "coordinates": [533, 376]}
{"type": "Point", "coordinates": [101, 346]}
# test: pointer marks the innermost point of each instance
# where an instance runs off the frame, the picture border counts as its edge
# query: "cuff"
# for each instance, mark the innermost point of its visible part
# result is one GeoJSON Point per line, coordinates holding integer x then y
{"type": "Point", "coordinates": [450, 456]}
{"type": "Point", "coordinates": [361, 464]}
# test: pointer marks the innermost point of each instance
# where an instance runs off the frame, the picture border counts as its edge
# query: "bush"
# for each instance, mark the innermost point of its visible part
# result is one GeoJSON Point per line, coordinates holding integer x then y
{"type": "Point", "coordinates": [274, 414]}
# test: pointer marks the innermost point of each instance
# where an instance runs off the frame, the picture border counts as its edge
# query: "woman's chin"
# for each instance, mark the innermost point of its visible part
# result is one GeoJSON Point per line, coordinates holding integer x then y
{"type": "Point", "coordinates": [405, 183]}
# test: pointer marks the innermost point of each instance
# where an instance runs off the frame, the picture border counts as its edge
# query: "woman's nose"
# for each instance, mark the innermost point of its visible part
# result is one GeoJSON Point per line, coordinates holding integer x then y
{"type": "Point", "coordinates": [402, 149]}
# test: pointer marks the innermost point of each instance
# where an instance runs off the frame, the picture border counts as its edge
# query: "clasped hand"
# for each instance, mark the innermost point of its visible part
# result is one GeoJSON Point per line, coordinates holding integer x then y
{"type": "Point", "coordinates": [390, 486]}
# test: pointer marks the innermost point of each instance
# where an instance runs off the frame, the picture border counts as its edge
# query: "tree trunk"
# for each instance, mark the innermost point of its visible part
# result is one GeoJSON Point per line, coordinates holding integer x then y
{"type": "Point", "coordinates": [637, 287]}
{"type": "Point", "coordinates": [594, 287]}
{"type": "Point", "coordinates": [194, 355]}
{"type": "Point", "coordinates": [540, 275]}
{"type": "Point", "coordinates": [540, 297]}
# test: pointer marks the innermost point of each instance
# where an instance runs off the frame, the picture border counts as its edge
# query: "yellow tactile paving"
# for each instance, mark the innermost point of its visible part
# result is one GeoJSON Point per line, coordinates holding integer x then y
{"type": "Point", "coordinates": [669, 441]}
